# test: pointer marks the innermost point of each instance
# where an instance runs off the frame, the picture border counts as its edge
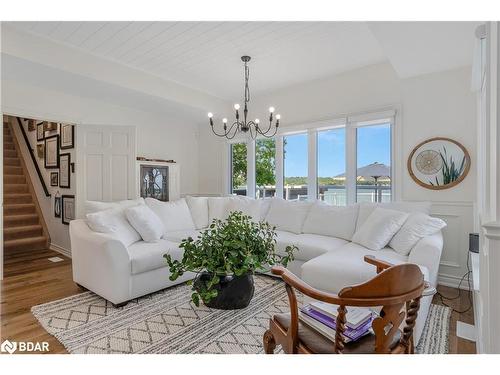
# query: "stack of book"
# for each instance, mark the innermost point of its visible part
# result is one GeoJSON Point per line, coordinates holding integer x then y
{"type": "Point", "coordinates": [322, 317]}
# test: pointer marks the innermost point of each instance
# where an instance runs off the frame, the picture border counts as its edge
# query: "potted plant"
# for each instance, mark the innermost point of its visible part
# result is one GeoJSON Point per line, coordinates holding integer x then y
{"type": "Point", "coordinates": [224, 257]}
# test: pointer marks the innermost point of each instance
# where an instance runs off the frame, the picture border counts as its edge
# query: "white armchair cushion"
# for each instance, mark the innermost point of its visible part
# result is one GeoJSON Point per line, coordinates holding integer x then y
{"type": "Point", "coordinates": [199, 210]}
{"type": "Point", "coordinates": [365, 209]}
{"type": "Point", "coordinates": [417, 226]}
{"type": "Point", "coordinates": [379, 228]}
{"type": "Point", "coordinates": [113, 221]}
{"type": "Point", "coordinates": [146, 222]}
{"type": "Point", "coordinates": [288, 215]}
{"type": "Point", "coordinates": [333, 221]}
{"type": "Point", "coordinates": [174, 215]}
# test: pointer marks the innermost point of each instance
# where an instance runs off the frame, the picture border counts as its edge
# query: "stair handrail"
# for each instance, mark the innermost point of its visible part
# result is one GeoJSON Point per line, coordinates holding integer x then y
{"type": "Point", "coordinates": [33, 158]}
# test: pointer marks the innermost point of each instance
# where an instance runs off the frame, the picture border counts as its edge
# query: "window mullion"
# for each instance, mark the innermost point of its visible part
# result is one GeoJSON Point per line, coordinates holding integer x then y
{"type": "Point", "coordinates": [350, 150]}
{"type": "Point", "coordinates": [251, 168]}
{"type": "Point", "coordinates": [279, 166]}
{"type": "Point", "coordinates": [312, 165]}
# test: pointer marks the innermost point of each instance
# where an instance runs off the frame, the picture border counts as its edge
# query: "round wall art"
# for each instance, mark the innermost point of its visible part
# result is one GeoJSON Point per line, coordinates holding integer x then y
{"type": "Point", "coordinates": [438, 163]}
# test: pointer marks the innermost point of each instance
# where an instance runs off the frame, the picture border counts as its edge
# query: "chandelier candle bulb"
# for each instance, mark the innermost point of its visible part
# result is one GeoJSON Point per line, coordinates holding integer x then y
{"type": "Point", "coordinates": [271, 109]}
{"type": "Point", "coordinates": [236, 106]}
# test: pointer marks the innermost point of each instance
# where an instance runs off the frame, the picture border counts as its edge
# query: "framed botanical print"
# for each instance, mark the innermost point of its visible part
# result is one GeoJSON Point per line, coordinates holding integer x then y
{"type": "Point", "coordinates": [64, 170]}
{"type": "Point", "coordinates": [51, 151]}
{"type": "Point", "coordinates": [67, 208]}
{"type": "Point", "coordinates": [67, 136]}
{"type": "Point", "coordinates": [40, 132]}
{"type": "Point", "coordinates": [54, 179]}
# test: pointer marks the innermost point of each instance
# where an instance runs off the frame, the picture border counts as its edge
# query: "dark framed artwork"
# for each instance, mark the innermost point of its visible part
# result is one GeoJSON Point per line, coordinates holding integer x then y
{"type": "Point", "coordinates": [57, 206]}
{"type": "Point", "coordinates": [39, 150]}
{"type": "Point", "coordinates": [67, 136]}
{"type": "Point", "coordinates": [67, 208]}
{"type": "Point", "coordinates": [64, 170]}
{"type": "Point", "coordinates": [54, 179]}
{"type": "Point", "coordinates": [40, 132]}
{"type": "Point", "coordinates": [49, 126]}
{"type": "Point", "coordinates": [51, 152]}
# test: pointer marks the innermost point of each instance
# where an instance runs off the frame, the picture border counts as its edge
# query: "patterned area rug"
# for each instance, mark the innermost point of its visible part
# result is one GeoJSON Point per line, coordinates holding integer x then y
{"type": "Point", "coordinates": [166, 322]}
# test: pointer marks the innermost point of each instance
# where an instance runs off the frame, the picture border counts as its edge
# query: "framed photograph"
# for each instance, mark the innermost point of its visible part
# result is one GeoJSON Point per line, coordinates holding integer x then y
{"type": "Point", "coordinates": [54, 179]}
{"type": "Point", "coordinates": [31, 125]}
{"type": "Point", "coordinates": [39, 150]}
{"type": "Point", "coordinates": [438, 163]}
{"type": "Point", "coordinates": [67, 208]}
{"type": "Point", "coordinates": [64, 170]}
{"type": "Point", "coordinates": [51, 152]}
{"type": "Point", "coordinates": [49, 126]}
{"type": "Point", "coordinates": [57, 206]}
{"type": "Point", "coordinates": [67, 136]}
{"type": "Point", "coordinates": [40, 132]}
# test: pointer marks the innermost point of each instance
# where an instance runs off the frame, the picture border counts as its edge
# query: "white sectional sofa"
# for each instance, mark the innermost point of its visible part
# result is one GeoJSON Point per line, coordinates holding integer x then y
{"type": "Point", "coordinates": [120, 266]}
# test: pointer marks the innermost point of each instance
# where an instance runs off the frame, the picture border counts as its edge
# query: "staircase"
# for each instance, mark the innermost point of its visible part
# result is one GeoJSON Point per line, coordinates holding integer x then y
{"type": "Point", "coordinates": [24, 228]}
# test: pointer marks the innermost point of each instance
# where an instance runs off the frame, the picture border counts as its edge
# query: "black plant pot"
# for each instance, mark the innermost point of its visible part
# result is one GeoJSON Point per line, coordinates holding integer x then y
{"type": "Point", "coordinates": [233, 292]}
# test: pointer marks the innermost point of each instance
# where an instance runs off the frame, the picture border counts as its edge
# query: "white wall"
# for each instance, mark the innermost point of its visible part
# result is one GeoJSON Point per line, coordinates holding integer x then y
{"type": "Point", "coordinates": [438, 104]}
{"type": "Point", "coordinates": [158, 135]}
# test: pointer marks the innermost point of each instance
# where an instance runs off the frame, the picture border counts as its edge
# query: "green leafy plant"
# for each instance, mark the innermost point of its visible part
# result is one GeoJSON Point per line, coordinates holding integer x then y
{"type": "Point", "coordinates": [450, 171]}
{"type": "Point", "coordinates": [236, 246]}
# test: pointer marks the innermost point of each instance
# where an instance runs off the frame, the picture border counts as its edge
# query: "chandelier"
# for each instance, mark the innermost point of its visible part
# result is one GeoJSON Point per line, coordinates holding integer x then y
{"type": "Point", "coordinates": [242, 125]}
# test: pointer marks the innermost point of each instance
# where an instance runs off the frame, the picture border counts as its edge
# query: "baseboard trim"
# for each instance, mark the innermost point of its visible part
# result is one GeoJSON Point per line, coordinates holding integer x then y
{"type": "Point", "coordinates": [60, 250]}
{"type": "Point", "coordinates": [453, 281]}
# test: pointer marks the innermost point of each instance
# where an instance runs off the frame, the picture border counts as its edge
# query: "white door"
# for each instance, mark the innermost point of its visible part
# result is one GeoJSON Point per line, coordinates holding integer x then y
{"type": "Point", "coordinates": [106, 158]}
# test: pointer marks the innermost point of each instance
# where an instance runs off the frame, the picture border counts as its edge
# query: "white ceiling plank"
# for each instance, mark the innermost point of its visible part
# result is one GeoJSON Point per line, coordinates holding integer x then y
{"type": "Point", "coordinates": [109, 30]}
{"type": "Point", "coordinates": [82, 33]}
{"type": "Point", "coordinates": [122, 38]}
{"type": "Point", "coordinates": [64, 30]}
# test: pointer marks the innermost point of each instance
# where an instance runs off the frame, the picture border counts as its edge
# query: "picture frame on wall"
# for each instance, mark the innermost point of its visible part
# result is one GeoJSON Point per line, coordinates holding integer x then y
{"type": "Point", "coordinates": [49, 126]}
{"type": "Point", "coordinates": [67, 208]}
{"type": "Point", "coordinates": [57, 205]}
{"type": "Point", "coordinates": [65, 170]}
{"type": "Point", "coordinates": [51, 152]}
{"type": "Point", "coordinates": [40, 132]}
{"type": "Point", "coordinates": [67, 136]}
{"type": "Point", "coordinates": [39, 150]}
{"type": "Point", "coordinates": [54, 179]}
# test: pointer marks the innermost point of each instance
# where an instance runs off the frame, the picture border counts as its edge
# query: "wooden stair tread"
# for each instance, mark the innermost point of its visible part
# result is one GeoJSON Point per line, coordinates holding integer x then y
{"type": "Point", "coordinates": [23, 241]}
{"type": "Point", "coordinates": [20, 217]}
{"type": "Point", "coordinates": [23, 228]}
{"type": "Point", "coordinates": [18, 205]}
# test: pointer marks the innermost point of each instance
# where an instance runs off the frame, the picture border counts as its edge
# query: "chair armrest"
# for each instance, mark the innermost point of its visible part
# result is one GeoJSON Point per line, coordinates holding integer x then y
{"type": "Point", "coordinates": [292, 280]}
{"type": "Point", "coordinates": [380, 264]}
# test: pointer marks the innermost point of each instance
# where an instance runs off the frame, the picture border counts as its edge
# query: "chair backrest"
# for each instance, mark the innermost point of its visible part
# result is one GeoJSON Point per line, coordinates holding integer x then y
{"type": "Point", "coordinates": [394, 288]}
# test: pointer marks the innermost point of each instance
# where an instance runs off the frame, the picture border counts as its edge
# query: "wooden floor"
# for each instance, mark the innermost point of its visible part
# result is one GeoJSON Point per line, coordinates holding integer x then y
{"type": "Point", "coordinates": [31, 279]}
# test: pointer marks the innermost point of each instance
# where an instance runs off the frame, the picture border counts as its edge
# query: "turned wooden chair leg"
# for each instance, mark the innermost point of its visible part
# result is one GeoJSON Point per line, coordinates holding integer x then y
{"type": "Point", "coordinates": [269, 342]}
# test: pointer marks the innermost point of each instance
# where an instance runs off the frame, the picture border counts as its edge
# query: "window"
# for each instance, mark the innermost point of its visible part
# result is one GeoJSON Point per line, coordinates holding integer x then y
{"type": "Point", "coordinates": [332, 166]}
{"type": "Point", "coordinates": [295, 160]}
{"type": "Point", "coordinates": [373, 156]}
{"type": "Point", "coordinates": [265, 168]}
{"type": "Point", "coordinates": [239, 168]}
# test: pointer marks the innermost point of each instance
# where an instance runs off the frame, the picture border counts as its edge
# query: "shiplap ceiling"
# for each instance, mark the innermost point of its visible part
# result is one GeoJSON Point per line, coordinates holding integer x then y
{"type": "Point", "coordinates": [206, 55]}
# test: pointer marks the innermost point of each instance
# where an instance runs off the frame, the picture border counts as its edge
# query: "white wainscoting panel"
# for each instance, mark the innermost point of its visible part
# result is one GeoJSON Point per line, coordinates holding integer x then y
{"type": "Point", "coordinates": [459, 217]}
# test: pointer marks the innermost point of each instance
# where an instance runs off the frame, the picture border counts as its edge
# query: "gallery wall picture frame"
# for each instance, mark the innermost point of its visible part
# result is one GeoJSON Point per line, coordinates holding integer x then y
{"type": "Point", "coordinates": [67, 208]}
{"type": "Point", "coordinates": [40, 150]}
{"type": "Point", "coordinates": [40, 132]}
{"type": "Point", "coordinates": [65, 170]}
{"type": "Point", "coordinates": [51, 152]}
{"type": "Point", "coordinates": [66, 136]}
{"type": "Point", "coordinates": [31, 124]}
{"type": "Point", "coordinates": [54, 179]}
{"type": "Point", "coordinates": [57, 205]}
{"type": "Point", "coordinates": [49, 126]}
{"type": "Point", "coordinates": [438, 163]}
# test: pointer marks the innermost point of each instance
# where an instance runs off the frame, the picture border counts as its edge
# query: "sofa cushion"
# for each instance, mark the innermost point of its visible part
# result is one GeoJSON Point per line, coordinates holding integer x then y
{"type": "Point", "coordinates": [333, 221]}
{"type": "Point", "coordinates": [147, 256]}
{"type": "Point", "coordinates": [178, 236]}
{"type": "Point", "coordinates": [345, 266]}
{"type": "Point", "coordinates": [217, 208]}
{"type": "Point", "coordinates": [198, 206]}
{"type": "Point", "coordinates": [365, 209]}
{"type": "Point", "coordinates": [416, 227]}
{"type": "Point", "coordinates": [287, 215]}
{"type": "Point", "coordinates": [313, 245]}
{"type": "Point", "coordinates": [248, 206]}
{"type": "Point", "coordinates": [96, 206]}
{"type": "Point", "coordinates": [174, 215]}
{"type": "Point", "coordinates": [114, 222]}
{"type": "Point", "coordinates": [379, 228]}
{"type": "Point", "coordinates": [145, 222]}
{"type": "Point", "coordinates": [284, 239]}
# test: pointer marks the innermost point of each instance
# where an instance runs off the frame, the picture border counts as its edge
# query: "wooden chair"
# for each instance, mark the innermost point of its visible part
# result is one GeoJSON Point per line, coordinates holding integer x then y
{"type": "Point", "coordinates": [394, 288]}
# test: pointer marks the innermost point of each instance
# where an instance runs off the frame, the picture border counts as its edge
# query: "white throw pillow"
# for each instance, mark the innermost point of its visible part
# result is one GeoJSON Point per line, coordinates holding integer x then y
{"type": "Point", "coordinates": [174, 215]}
{"type": "Point", "coordinates": [379, 228]}
{"type": "Point", "coordinates": [199, 210]}
{"type": "Point", "coordinates": [146, 222]}
{"type": "Point", "coordinates": [113, 221]}
{"type": "Point", "coordinates": [288, 215]}
{"type": "Point", "coordinates": [417, 226]}
{"type": "Point", "coordinates": [96, 206]}
{"type": "Point", "coordinates": [248, 206]}
{"type": "Point", "coordinates": [217, 208]}
{"type": "Point", "coordinates": [366, 208]}
{"type": "Point", "coordinates": [333, 221]}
